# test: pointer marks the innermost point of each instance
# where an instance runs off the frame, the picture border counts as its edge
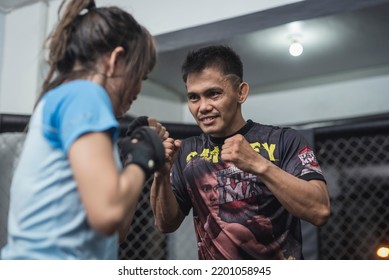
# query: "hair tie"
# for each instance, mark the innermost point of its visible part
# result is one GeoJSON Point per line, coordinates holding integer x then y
{"type": "Point", "coordinates": [91, 6]}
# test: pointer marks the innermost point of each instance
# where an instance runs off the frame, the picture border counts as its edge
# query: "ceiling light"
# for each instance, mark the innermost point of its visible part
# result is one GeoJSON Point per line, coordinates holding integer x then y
{"type": "Point", "coordinates": [296, 48]}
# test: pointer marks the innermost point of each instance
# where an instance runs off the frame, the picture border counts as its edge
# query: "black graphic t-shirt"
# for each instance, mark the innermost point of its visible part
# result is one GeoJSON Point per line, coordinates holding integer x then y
{"type": "Point", "coordinates": [235, 214]}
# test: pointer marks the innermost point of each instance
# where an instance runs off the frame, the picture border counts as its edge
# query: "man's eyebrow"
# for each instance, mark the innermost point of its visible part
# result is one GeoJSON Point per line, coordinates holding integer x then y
{"type": "Point", "coordinates": [190, 93]}
{"type": "Point", "coordinates": [208, 90]}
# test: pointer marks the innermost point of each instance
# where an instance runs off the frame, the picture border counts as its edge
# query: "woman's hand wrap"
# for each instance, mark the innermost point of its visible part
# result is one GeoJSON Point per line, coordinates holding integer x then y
{"type": "Point", "coordinates": [142, 146]}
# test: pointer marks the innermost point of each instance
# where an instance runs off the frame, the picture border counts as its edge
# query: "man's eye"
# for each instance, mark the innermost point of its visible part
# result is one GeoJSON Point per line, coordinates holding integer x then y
{"type": "Point", "coordinates": [214, 94]}
{"type": "Point", "coordinates": [192, 97]}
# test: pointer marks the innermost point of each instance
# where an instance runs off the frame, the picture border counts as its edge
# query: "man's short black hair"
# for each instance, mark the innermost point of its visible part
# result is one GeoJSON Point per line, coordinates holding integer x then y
{"type": "Point", "coordinates": [222, 57]}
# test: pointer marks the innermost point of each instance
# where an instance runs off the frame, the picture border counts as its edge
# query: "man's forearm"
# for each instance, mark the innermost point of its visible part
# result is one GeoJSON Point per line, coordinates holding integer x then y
{"type": "Point", "coordinates": [167, 213]}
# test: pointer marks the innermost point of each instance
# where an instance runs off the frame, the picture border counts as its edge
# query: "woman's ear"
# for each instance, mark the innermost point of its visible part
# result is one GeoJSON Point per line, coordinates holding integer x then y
{"type": "Point", "coordinates": [243, 92]}
{"type": "Point", "coordinates": [113, 61]}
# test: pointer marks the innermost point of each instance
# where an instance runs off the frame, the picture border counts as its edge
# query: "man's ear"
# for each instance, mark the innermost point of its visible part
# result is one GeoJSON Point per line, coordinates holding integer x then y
{"type": "Point", "coordinates": [113, 61]}
{"type": "Point", "coordinates": [243, 92]}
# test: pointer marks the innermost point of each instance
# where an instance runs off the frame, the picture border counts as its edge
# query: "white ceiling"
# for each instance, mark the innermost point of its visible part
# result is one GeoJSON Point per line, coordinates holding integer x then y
{"type": "Point", "coordinates": [343, 39]}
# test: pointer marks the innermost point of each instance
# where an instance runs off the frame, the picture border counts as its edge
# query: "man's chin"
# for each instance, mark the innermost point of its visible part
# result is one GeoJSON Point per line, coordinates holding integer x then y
{"type": "Point", "coordinates": [209, 130]}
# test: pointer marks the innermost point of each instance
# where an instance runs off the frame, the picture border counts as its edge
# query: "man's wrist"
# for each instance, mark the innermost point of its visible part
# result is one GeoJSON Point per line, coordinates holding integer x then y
{"type": "Point", "coordinates": [162, 175]}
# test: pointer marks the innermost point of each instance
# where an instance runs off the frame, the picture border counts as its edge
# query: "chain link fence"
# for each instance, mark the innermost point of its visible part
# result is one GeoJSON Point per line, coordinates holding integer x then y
{"type": "Point", "coordinates": [356, 165]}
{"type": "Point", "coordinates": [145, 242]}
{"type": "Point", "coordinates": [11, 145]}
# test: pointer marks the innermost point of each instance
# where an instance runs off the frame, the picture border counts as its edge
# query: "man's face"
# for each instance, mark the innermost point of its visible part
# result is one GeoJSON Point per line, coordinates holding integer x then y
{"type": "Point", "coordinates": [208, 189]}
{"type": "Point", "coordinates": [214, 102]}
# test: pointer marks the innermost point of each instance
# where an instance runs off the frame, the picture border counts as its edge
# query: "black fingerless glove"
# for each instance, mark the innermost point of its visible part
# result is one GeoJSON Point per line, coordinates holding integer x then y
{"type": "Point", "coordinates": [137, 122]}
{"type": "Point", "coordinates": [143, 147]}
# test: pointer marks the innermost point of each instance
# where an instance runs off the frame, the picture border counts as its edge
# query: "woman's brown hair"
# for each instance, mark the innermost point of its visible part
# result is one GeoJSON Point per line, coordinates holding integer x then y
{"type": "Point", "coordinates": [85, 33]}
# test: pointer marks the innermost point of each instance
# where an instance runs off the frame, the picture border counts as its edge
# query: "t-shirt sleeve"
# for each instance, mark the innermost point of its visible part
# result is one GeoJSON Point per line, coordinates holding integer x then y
{"type": "Point", "coordinates": [298, 157]}
{"type": "Point", "coordinates": [178, 184]}
{"type": "Point", "coordinates": [73, 114]}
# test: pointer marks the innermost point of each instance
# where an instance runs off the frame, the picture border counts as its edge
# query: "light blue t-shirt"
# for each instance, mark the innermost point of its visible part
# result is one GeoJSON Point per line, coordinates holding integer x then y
{"type": "Point", "coordinates": [46, 218]}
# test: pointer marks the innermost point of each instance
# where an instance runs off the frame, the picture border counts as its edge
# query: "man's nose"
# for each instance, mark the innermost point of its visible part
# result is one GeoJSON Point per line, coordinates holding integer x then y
{"type": "Point", "coordinates": [205, 105]}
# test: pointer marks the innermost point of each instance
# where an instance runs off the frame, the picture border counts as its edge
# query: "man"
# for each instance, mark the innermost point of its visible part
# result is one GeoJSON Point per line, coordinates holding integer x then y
{"type": "Point", "coordinates": [264, 171]}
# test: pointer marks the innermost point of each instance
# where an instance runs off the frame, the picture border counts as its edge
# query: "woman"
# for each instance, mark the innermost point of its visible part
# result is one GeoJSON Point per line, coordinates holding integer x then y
{"type": "Point", "coordinates": [69, 196]}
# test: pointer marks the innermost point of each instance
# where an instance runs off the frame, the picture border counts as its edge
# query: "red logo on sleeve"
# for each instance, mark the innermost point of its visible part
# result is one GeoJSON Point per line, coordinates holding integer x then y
{"type": "Point", "coordinates": [308, 160]}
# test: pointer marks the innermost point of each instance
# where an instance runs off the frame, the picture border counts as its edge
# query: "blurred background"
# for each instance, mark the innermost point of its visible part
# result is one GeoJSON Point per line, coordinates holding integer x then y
{"type": "Point", "coordinates": [320, 66]}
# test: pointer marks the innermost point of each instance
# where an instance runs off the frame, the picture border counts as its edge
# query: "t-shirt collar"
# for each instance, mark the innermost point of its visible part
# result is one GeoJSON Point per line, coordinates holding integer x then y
{"type": "Point", "coordinates": [220, 140]}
